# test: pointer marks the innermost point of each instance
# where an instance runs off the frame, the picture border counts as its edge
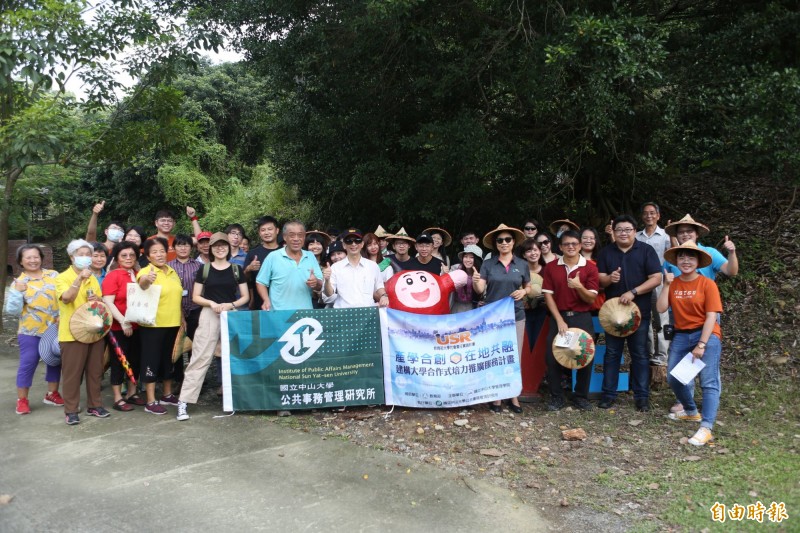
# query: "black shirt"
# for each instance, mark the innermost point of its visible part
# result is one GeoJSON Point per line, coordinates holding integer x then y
{"type": "Point", "coordinates": [434, 266]}
{"type": "Point", "coordinates": [220, 286]}
{"type": "Point", "coordinates": [260, 253]}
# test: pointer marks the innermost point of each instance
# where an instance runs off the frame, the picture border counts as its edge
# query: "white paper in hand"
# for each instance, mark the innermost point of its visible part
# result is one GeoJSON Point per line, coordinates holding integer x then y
{"type": "Point", "coordinates": [565, 340]}
{"type": "Point", "coordinates": [686, 370]}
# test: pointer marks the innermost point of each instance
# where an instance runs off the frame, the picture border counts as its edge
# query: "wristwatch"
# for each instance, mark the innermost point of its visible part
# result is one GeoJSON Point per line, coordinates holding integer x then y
{"type": "Point", "coordinates": [634, 291]}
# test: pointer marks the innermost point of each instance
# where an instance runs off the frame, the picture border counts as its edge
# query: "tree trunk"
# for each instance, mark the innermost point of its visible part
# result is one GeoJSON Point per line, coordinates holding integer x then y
{"type": "Point", "coordinates": [11, 179]}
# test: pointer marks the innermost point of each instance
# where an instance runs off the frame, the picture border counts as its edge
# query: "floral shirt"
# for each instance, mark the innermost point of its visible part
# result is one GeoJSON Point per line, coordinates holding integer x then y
{"type": "Point", "coordinates": [37, 307]}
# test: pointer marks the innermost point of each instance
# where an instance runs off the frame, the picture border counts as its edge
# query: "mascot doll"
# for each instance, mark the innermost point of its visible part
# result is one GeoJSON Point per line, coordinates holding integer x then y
{"type": "Point", "coordinates": [423, 293]}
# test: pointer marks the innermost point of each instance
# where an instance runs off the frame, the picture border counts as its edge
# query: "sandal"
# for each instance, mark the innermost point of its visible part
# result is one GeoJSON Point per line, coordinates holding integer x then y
{"type": "Point", "coordinates": [135, 400]}
{"type": "Point", "coordinates": [122, 406]}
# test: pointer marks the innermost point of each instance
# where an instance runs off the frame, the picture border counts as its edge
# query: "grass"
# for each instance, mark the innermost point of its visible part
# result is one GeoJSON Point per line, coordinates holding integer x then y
{"type": "Point", "coordinates": [761, 460]}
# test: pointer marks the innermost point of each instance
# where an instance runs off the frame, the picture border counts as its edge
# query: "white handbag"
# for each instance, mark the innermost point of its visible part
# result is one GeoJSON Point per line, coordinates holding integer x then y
{"type": "Point", "coordinates": [142, 304]}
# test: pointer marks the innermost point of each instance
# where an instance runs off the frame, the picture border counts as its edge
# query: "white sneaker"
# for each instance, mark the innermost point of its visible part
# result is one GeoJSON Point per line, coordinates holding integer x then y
{"type": "Point", "coordinates": [702, 437]}
{"type": "Point", "coordinates": [182, 414]}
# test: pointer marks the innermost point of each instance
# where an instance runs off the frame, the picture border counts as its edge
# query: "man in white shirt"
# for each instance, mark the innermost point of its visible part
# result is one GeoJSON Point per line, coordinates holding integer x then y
{"type": "Point", "coordinates": [354, 281]}
{"type": "Point", "coordinates": [657, 238]}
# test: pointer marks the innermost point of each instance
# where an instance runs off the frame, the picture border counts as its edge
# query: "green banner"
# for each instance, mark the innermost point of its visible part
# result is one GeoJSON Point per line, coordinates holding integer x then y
{"type": "Point", "coordinates": [304, 359]}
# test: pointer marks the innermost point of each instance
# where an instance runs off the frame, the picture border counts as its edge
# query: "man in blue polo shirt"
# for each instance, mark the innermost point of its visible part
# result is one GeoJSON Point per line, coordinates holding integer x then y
{"type": "Point", "coordinates": [289, 275]}
{"type": "Point", "coordinates": [629, 269]}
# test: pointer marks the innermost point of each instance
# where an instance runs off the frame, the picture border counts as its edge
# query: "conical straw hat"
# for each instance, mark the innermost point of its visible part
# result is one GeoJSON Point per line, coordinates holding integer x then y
{"type": "Point", "coordinates": [90, 322]}
{"type": "Point", "coordinates": [579, 353]}
{"type": "Point", "coordinates": [618, 319]}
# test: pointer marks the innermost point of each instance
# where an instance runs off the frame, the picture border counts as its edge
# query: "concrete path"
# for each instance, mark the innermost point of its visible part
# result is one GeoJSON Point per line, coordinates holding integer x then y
{"type": "Point", "coordinates": [140, 472]}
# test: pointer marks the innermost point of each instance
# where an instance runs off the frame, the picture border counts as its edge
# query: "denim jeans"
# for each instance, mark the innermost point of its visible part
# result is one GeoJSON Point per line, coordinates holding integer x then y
{"type": "Point", "coordinates": [710, 381]}
{"type": "Point", "coordinates": [640, 363]}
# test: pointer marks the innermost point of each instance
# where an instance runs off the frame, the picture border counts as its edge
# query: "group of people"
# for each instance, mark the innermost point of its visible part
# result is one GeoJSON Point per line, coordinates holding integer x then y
{"type": "Point", "coordinates": [561, 272]}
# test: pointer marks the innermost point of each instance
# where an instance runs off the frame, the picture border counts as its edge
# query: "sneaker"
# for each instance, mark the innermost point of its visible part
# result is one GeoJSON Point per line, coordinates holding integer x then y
{"type": "Point", "coordinates": [606, 403]}
{"type": "Point", "coordinates": [703, 436]}
{"type": "Point", "coordinates": [99, 412]}
{"type": "Point", "coordinates": [676, 408]}
{"type": "Point", "coordinates": [169, 400]}
{"type": "Point", "coordinates": [556, 404]}
{"type": "Point", "coordinates": [23, 407]}
{"type": "Point", "coordinates": [53, 398]}
{"type": "Point", "coordinates": [284, 413]}
{"type": "Point", "coordinates": [71, 419]}
{"type": "Point", "coordinates": [683, 415]}
{"type": "Point", "coordinates": [643, 405]}
{"type": "Point", "coordinates": [182, 414]}
{"type": "Point", "coordinates": [155, 409]}
{"type": "Point", "coordinates": [582, 403]}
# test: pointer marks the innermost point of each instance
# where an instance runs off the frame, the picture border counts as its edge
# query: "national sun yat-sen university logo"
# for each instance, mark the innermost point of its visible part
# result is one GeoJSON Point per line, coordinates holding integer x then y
{"type": "Point", "coordinates": [301, 341]}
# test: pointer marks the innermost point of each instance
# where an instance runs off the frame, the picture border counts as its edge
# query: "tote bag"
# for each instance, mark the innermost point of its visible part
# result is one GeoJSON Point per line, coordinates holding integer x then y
{"type": "Point", "coordinates": [142, 304]}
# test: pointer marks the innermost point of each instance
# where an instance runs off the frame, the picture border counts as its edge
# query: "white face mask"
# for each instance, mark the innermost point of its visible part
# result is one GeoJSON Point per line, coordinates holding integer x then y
{"type": "Point", "coordinates": [115, 235]}
{"type": "Point", "coordinates": [82, 262]}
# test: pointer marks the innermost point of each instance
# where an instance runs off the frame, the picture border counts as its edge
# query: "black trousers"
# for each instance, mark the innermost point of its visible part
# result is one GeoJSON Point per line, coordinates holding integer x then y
{"type": "Point", "coordinates": [554, 369]}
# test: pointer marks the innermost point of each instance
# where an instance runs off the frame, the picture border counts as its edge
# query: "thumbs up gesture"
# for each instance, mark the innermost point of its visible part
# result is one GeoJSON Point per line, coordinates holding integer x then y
{"type": "Point", "coordinates": [728, 245]}
{"type": "Point", "coordinates": [312, 280]}
{"type": "Point", "coordinates": [574, 283]}
{"type": "Point", "coordinates": [669, 277]}
{"type": "Point", "coordinates": [151, 276]}
{"type": "Point", "coordinates": [98, 208]}
{"type": "Point", "coordinates": [616, 275]}
{"type": "Point", "coordinates": [21, 285]}
{"type": "Point", "coordinates": [476, 276]}
{"type": "Point", "coordinates": [326, 272]}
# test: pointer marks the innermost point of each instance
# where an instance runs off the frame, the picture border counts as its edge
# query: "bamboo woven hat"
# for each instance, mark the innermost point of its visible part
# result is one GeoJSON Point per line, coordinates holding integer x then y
{"type": "Point", "coordinates": [580, 351]}
{"type": "Point", "coordinates": [618, 319]}
{"type": "Point", "coordinates": [400, 236]}
{"type": "Point", "coordinates": [49, 348]}
{"type": "Point", "coordinates": [672, 227]}
{"type": "Point", "coordinates": [554, 225]}
{"type": "Point", "coordinates": [90, 322]}
{"type": "Point", "coordinates": [703, 257]}
{"type": "Point", "coordinates": [182, 344]}
{"type": "Point", "coordinates": [320, 236]}
{"type": "Point", "coordinates": [488, 239]}
{"type": "Point", "coordinates": [447, 239]}
{"type": "Point", "coordinates": [381, 233]}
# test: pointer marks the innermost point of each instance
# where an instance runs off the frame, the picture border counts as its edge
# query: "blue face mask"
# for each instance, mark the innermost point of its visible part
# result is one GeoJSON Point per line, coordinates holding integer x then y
{"type": "Point", "coordinates": [82, 262]}
{"type": "Point", "coordinates": [115, 235]}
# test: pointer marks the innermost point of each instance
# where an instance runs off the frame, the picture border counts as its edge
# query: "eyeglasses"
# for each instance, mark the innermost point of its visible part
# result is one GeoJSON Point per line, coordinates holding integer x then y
{"type": "Point", "coordinates": [529, 228]}
{"type": "Point", "coordinates": [623, 230]}
{"type": "Point", "coordinates": [235, 233]}
{"type": "Point", "coordinates": [502, 240]}
{"type": "Point", "coordinates": [353, 241]}
{"type": "Point", "coordinates": [686, 231]}
{"type": "Point", "coordinates": [544, 241]}
{"type": "Point", "coordinates": [569, 244]}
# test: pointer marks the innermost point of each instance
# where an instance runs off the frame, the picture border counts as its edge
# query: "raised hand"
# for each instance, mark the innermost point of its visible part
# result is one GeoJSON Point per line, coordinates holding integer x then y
{"type": "Point", "coordinates": [190, 211]}
{"type": "Point", "coordinates": [476, 276]}
{"type": "Point", "coordinates": [728, 245]}
{"type": "Point", "coordinates": [616, 275]}
{"type": "Point", "coordinates": [326, 272]}
{"type": "Point", "coordinates": [669, 277]}
{"type": "Point", "coordinates": [575, 283]}
{"type": "Point", "coordinates": [151, 276]}
{"type": "Point", "coordinates": [98, 208]}
{"type": "Point", "coordinates": [21, 286]}
{"type": "Point", "coordinates": [312, 279]}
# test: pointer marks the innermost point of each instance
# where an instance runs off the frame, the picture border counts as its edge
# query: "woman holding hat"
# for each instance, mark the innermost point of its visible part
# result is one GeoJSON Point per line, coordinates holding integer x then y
{"type": "Point", "coordinates": [504, 275]}
{"type": "Point", "coordinates": [157, 341]}
{"type": "Point", "coordinates": [465, 297]}
{"type": "Point", "coordinates": [115, 296]}
{"type": "Point", "coordinates": [695, 303]}
{"type": "Point", "coordinates": [74, 287]}
{"type": "Point", "coordinates": [32, 298]}
{"type": "Point", "coordinates": [216, 288]}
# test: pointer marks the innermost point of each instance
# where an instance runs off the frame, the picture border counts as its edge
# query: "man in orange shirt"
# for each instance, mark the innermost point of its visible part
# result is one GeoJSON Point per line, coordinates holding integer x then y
{"type": "Point", "coordinates": [165, 223]}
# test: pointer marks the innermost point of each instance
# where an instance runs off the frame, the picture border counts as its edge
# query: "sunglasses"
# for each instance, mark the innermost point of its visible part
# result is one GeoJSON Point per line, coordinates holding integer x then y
{"type": "Point", "coordinates": [353, 241]}
{"type": "Point", "coordinates": [529, 228]}
{"type": "Point", "coordinates": [501, 240]}
{"type": "Point", "coordinates": [544, 241]}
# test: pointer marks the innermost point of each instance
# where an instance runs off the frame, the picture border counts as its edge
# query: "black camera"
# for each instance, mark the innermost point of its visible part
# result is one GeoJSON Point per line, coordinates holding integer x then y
{"type": "Point", "coordinates": [669, 331]}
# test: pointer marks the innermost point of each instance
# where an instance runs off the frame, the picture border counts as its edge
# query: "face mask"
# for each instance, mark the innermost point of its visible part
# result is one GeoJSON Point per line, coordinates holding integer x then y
{"type": "Point", "coordinates": [82, 262]}
{"type": "Point", "coordinates": [115, 235]}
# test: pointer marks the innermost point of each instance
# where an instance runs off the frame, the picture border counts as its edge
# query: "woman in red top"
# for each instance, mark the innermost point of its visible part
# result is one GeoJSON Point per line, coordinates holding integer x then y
{"type": "Point", "coordinates": [115, 296]}
{"type": "Point", "coordinates": [695, 303]}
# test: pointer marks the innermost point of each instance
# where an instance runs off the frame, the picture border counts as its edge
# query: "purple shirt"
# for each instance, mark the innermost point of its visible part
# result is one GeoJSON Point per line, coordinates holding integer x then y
{"type": "Point", "coordinates": [187, 272]}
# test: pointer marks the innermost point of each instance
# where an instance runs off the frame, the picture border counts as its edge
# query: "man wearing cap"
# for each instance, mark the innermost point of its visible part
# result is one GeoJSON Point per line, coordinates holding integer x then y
{"type": "Point", "coordinates": [355, 281]}
{"type": "Point", "coordinates": [655, 236]}
{"type": "Point", "coordinates": [425, 259]}
{"type": "Point", "coordinates": [401, 243]}
{"type": "Point", "coordinates": [268, 233]}
{"type": "Point", "coordinates": [629, 269]}
{"type": "Point", "coordinates": [204, 247]}
{"type": "Point", "coordinates": [687, 229]}
{"type": "Point", "coordinates": [570, 287]}
{"type": "Point", "coordinates": [288, 277]}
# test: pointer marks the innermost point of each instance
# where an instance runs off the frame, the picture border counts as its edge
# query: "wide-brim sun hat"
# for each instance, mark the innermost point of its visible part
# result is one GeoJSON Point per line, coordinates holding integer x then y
{"type": "Point", "coordinates": [554, 225]}
{"type": "Point", "coordinates": [447, 239]}
{"type": "Point", "coordinates": [401, 235]}
{"type": "Point", "coordinates": [672, 227]}
{"type": "Point", "coordinates": [488, 239]}
{"type": "Point", "coordinates": [321, 236]}
{"type": "Point", "coordinates": [473, 249]}
{"type": "Point", "coordinates": [90, 322]}
{"type": "Point", "coordinates": [49, 348]}
{"type": "Point", "coordinates": [381, 233]}
{"type": "Point", "coordinates": [580, 351]}
{"type": "Point", "coordinates": [703, 257]}
{"type": "Point", "coordinates": [618, 319]}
